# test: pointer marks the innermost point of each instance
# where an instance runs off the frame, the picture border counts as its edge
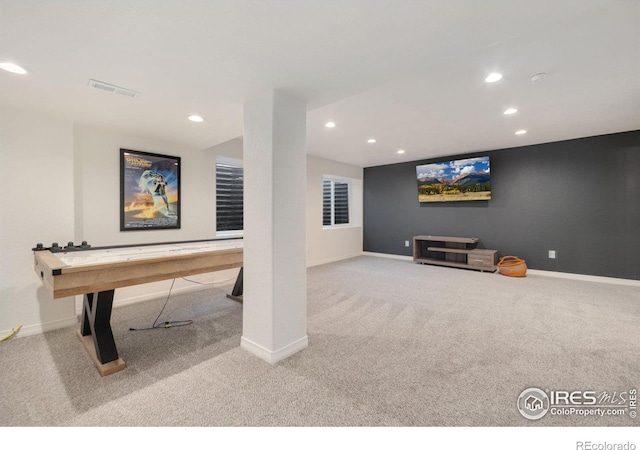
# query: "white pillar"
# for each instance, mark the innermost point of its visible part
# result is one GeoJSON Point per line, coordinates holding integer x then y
{"type": "Point", "coordinates": [275, 276]}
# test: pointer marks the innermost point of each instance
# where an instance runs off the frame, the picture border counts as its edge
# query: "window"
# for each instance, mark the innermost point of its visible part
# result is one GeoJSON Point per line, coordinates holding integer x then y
{"type": "Point", "coordinates": [335, 202]}
{"type": "Point", "coordinates": [229, 196]}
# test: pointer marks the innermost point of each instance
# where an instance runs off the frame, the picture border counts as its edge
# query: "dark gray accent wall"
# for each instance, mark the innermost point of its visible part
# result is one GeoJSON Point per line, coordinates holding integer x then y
{"type": "Point", "coordinates": [580, 198]}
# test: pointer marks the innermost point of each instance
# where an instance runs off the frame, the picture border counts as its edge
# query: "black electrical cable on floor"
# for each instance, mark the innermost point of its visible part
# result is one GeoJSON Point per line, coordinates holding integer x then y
{"type": "Point", "coordinates": [170, 324]}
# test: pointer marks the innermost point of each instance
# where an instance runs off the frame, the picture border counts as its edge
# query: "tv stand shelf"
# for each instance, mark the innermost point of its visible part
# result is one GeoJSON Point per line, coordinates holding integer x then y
{"type": "Point", "coordinates": [451, 251]}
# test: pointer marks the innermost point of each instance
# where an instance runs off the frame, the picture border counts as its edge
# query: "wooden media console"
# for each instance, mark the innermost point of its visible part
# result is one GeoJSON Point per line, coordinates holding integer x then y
{"type": "Point", "coordinates": [450, 251]}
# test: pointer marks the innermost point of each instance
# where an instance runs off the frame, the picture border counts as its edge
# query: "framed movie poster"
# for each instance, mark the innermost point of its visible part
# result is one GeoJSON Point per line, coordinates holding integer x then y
{"type": "Point", "coordinates": [149, 191]}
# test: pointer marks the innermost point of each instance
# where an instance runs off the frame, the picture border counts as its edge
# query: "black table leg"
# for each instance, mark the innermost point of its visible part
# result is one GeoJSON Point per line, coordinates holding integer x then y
{"type": "Point", "coordinates": [96, 316]}
{"type": "Point", "coordinates": [236, 294]}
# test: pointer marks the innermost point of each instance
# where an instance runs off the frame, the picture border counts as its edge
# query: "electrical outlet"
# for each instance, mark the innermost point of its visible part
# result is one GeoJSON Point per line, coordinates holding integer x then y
{"type": "Point", "coordinates": [552, 254]}
{"type": "Point", "coordinates": [406, 243]}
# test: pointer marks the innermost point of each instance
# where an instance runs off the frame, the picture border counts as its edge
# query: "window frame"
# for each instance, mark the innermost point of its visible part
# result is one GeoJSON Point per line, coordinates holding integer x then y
{"type": "Point", "coordinates": [333, 180]}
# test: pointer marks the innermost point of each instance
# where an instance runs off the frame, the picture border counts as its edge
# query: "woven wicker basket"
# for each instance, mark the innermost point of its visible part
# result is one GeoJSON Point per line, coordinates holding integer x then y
{"type": "Point", "coordinates": [512, 266]}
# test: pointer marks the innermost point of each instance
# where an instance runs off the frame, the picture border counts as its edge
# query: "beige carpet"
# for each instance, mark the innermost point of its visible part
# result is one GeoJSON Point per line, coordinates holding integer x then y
{"type": "Point", "coordinates": [391, 343]}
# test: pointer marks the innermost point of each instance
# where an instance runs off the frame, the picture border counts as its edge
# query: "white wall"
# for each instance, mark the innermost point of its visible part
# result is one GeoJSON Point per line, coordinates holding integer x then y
{"type": "Point", "coordinates": [323, 246]}
{"type": "Point", "coordinates": [98, 202]}
{"type": "Point", "coordinates": [61, 183]}
{"type": "Point", "coordinates": [327, 245]}
{"type": "Point", "coordinates": [98, 192]}
{"type": "Point", "coordinates": [36, 205]}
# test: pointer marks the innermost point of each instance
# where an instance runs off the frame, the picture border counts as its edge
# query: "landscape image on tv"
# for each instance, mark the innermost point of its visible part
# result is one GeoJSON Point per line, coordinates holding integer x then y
{"type": "Point", "coordinates": [453, 181]}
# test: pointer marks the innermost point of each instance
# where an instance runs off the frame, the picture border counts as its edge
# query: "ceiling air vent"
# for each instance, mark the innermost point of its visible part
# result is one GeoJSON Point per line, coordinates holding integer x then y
{"type": "Point", "coordinates": [112, 89]}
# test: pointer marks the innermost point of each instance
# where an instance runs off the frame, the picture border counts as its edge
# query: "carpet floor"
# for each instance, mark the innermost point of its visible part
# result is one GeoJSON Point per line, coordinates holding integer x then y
{"type": "Point", "coordinates": [391, 344]}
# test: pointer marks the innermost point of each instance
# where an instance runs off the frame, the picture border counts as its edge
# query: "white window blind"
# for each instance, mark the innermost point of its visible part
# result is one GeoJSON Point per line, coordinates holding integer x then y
{"type": "Point", "coordinates": [335, 202]}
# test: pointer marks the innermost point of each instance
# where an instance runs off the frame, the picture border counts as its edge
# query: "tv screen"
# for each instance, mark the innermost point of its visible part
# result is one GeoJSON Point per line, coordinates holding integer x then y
{"type": "Point", "coordinates": [454, 181]}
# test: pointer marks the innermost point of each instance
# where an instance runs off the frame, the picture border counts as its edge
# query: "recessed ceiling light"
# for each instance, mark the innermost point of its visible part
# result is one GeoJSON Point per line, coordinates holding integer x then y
{"type": "Point", "coordinates": [13, 68]}
{"type": "Point", "coordinates": [493, 77]}
{"type": "Point", "coordinates": [400, 152]}
{"type": "Point", "coordinates": [330, 125]}
{"type": "Point", "coordinates": [196, 118]}
{"type": "Point", "coordinates": [521, 131]}
{"type": "Point", "coordinates": [510, 111]}
{"type": "Point", "coordinates": [371, 141]}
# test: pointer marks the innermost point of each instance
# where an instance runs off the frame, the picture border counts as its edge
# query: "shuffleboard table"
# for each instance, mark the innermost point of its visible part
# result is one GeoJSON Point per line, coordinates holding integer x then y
{"type": "Point", "coordinates": [97, 272]}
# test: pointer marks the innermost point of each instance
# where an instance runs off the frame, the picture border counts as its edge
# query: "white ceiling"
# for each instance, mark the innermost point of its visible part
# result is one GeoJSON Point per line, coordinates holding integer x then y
{"type": "Point", "coordinates": [409, 73]}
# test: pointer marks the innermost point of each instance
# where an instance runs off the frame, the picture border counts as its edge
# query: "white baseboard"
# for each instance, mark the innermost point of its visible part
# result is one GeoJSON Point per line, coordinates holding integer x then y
{"type": "Point", "coordinates": [388, 255]}
{"type": "Point", "coordinates": [580, 277]}
{"type": "Point", "coordinates": [39, 328]}
{"type": "Point", "coordinates": [160, 290]}
{"type": "Point", "coordinates": [543, 273]}
{"type": "Point", "coordinates": [330, 260]}
{"type": "Point", "coordinates": [273, 357]}
{"type": "Point", "coordinates": [157, 294]}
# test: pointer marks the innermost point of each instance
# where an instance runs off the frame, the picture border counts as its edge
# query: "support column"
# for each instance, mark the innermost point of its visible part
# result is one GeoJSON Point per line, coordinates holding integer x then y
{"type": "Point", "coordinates": [275, 274]}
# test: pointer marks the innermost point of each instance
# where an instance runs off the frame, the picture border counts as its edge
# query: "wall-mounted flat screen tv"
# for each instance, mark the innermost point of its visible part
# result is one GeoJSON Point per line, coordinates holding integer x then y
{"type": "Point", "coordinates": [454, 181]}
